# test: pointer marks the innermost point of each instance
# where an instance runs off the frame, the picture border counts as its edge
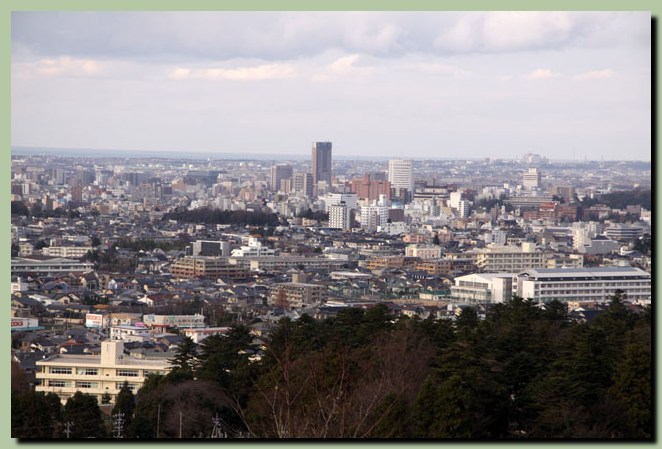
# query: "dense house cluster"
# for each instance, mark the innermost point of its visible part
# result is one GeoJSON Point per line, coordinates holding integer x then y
{"type": "Point", "coordinates": [109, 273]}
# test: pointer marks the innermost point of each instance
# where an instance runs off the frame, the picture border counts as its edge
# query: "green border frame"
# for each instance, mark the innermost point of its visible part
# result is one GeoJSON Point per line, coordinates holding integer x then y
{"type": "Point", "coordinates": [257, 5]}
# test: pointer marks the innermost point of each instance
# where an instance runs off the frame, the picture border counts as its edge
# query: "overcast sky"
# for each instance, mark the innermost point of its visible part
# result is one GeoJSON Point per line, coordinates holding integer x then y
{"type": "Point", "coordinates": [451, 85]}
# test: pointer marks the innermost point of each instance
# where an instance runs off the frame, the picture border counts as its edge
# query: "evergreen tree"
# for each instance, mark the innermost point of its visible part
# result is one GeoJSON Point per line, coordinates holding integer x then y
{"type": "Point", "coordinates": [82, 411]}
{"type": "Point", "coordinates": [125, 404]}
{"type": "Point", "coordinates": [184, 361]}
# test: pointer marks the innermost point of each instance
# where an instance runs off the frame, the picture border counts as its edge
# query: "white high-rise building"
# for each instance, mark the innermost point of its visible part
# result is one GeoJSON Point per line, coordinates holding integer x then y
{"type": "Point", "coordinates": [339, 216]}
{"type": "Point", "coordinates": [401, 174]}
{"type": "Point", "coordinates": [455, 198]}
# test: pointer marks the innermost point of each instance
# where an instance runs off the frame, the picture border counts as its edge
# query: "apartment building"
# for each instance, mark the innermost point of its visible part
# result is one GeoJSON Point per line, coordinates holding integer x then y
{"type": "Point", "coordinates": [423, 251]}
{"type": "Point", "coordinates": [297, 294]}
{"type": "Point", "coordinates": [65, 374]}
{"type": "Point", "coordinates": [509, 258]}
{"type": "Point", "coordinates": [207, 267]}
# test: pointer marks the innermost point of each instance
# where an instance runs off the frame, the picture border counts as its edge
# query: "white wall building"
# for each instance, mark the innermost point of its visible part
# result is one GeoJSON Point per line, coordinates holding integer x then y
{"type": "Point", "coordinates": [340, 216]}
{"type": "Point", "coordinates": [483, 287]}
{"type": "Point", "coordinates": [253, 249]}
{"type": "Point", "coordinates": [401, 174]}
{"type": "Point", "coordinates": [582, 284]}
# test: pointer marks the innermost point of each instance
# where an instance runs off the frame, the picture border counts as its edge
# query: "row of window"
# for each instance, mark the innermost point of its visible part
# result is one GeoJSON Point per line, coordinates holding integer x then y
{"type": "Point", "coordinates": [95, 371]}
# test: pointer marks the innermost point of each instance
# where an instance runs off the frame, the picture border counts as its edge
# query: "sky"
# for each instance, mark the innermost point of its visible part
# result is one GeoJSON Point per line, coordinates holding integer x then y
{"type": "Point", "coordinates": [566, 85]}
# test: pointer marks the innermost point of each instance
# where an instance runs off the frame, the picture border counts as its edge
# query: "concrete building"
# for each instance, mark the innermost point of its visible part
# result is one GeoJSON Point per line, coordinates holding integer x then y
{"type": "Point", "coordinates": [66, 251]}
{"type": "Point", "coordinates": [531, 179]}
{"type": "Point", "coordinates": [322, 162]}
{"type": "Point", "coordinates": [370, 189]}
{"type": "Point", "coordinates": [340, 216]}
{"type": "Point", "coordinates": [65, 374]}
{"type": "Point", "coordinates": [280, 172]}
{"type": "Point", "coordinates": [254, 248]}
{"type": "Point", "coordinates": [423, 251]}
{"type": "Point", "coordinates": [582, 284]}
{"type": "Point", "coordinates": [483, 287]}
{"type": "Point", "coordinates": [297, 295]}
{"type": "Point", "coordinates": [624, 232]}
{"type": "Point", "coordinates": [210, 248]}
{"type": "Point", "coordinates": [206, 267]}
{"type": "Point", "coordinates": [335, 199]}
{"type": "Point", "coordinates": [49, 267]}
{"type": "Point", "coordinates": [163, 322]}
{"type": "Point", "coordinates": [303, 184]}
{"type": "Point", "coordinates": [509, 258]}
{"type": "Point", "coordinates": [401, 176]}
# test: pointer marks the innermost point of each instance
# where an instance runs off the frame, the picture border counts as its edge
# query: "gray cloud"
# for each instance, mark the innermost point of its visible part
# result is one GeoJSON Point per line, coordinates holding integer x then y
{"type": "Point", "coordinates": [282, 35]}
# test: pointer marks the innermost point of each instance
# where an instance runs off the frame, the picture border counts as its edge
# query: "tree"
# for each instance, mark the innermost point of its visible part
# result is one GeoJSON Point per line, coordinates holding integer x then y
{"type": "Point", "coordinates": [35, 414]}
{"type": "Point", "coordinates": [125, 404]}
{"type": "Point", "coordinates": [82, 411]}
{"type": "Point", "coordinates": [184, 361]}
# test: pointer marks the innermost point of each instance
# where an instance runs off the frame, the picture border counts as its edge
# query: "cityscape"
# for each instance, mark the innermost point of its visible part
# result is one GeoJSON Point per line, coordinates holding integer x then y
{"type": "Point", "coordinates": [323, 288]}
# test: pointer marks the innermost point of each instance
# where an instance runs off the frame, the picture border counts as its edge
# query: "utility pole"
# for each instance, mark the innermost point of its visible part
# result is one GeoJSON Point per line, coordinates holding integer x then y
{"type": "Point", "coordinates": [180, 424]}
{"type": "Point", "coordinates": [158, 420]}
{"type": "Point", "coordinates": [67, 430]}
{"type": "Point", "coordinates": [118, 424]}
{"type": "Point", "coordinates": [216, 431]}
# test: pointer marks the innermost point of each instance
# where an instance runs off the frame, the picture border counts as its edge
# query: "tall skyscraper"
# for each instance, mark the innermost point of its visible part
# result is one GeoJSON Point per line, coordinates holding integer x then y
{"type": "Point", "coordinates": [401, 175]}
{"type": "Point", "coordinates": [321, 162]}
{"type": "Point", "coordinates": [279, 172]}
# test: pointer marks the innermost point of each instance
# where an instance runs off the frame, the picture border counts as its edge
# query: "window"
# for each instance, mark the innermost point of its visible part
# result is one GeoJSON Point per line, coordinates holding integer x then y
{"type": "Point", "coordinates": [133, 387]}
{"type": "Point", "coordinates": [60, 370]}
{"type": "Point", "coordinates": [127, 372]}
{"type": "Point", "coordinates": [87, 371]}
{"type": "Point", "coordinates": [58, 383]}
{"type": "Point", "coordinates": [86, 384]}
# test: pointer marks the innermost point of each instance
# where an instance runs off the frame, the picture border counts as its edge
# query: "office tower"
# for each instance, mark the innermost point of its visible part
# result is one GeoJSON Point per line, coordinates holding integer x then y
{"type": "Point", "coordinates": [303, 184]}
{"type": "Point", "coordinates": [321, 158]}
{"type": "Point", "coordinates": [279, 172]}
{"type": "Point", "coordinates": [401, 176]}
{"type": "Point", "coordinates": [531, 179]}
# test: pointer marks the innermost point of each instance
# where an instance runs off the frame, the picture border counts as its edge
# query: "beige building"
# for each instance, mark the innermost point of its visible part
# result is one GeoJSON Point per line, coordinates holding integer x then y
{"type": "Point", "coordinates": [297, 294]}
{"type": "Point", "coordinates": [423, 251]}
{"type": "Point", "coordinates": [207, 267]}
{"type": "Point", "coordinates": [510, 258]}
{"type": "Point", "coordinates": [65, 374]}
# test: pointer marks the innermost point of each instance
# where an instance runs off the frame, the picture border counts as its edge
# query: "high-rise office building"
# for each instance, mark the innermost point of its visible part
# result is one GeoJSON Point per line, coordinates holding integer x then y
{"type": "Point", "coordinates": [279, 172]}
{"type": "Point", "coordinates": [401, 176]}
{"type": "Point", "coordinates": [303, 184]}
{"type": "Point", "coordinates": [321, 158]}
